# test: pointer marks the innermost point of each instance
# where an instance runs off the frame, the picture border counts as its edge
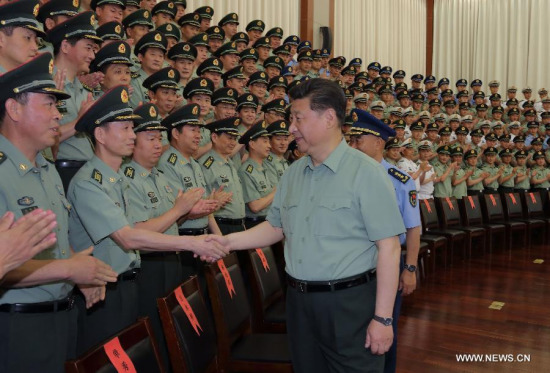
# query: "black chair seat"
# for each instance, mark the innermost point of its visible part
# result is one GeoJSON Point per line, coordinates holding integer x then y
{"type": "Point", "coordinates": [471, 230]}
{"type": "Point", "coordinates": [262, 347]}
{"type": "Point", "coordinates": [429, 238]}
{"type": "Point", "coordinates": [276, 312]}
{"type": "Point", "coordinates": [455, 233]}
{"type": "Point", "coordinates": [513, 224]}
{"type": "Point", "coordinates": [494, 227]}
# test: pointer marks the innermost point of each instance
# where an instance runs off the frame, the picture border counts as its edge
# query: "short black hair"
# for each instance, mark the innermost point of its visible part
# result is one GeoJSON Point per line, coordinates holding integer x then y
{"type": "Point", "coordinates": [22, 98]}
{"type": "Point", "coordinates": [323, 94]}
{"type": "Point", "coordinates": [71, 41]}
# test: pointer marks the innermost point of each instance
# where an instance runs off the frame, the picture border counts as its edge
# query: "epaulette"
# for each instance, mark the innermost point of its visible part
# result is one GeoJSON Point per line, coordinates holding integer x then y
{"type": "Point", "coordinates": [398, 175]}
{"type": "Point", "coordinates": [173, 159]}
{"type": "Point", "coordinates": [129, 172]}
{"type": "Point", "coordinates": [270, 158]}
{"type": "Point", "coordinates": [249, 169]}
{"type": "Point", "coordinates": [97, 176]}
{"type": "Point", "coordinates": [208, 163]}
{"type": "Point", "coordinates": [3, 157]}
{"type": "Point", "coordinates": [87, 87]}
{"type": "Point", "coordinates": [134, 75]}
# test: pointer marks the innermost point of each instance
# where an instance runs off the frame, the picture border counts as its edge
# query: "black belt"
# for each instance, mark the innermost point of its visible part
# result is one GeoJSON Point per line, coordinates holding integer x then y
{"type": "Point", "coordinates": [158, 254]}
{"type": "Point", "coordinates": [547, 189]}
{"type": "Point", "coordinates": [521, 190]}
{"type": "Point", "coordinates": [193, 231]}
{"type": "Point", "coordinates": [255, 220]}
{"type": "Point", "coordinates": [129, 275]}
{"type": "Point", "coordinates": [69, 164]}
{"type": "Point", "coordinates": [323, 286]}
{"type": "Point", "coordinates": [58, 305]}
{"type": "Point", "coordinates": [229, 221]}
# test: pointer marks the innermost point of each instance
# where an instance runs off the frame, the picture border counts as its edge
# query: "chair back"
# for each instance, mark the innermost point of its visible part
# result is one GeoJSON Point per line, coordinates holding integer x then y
{"type": "Point", "coordinates": [192, 346]}
{"type": "Point", "coordinates": [449, 212]}
{"type": "Point", "coordinates": [470, 210]}
{"type": "Point", "coordinates": [512, 206]}
{"type": "Point", "coordinates": [136, 341]}
{"type": "Point", "coordinates": [231, 310]}
{"type": "Point", "coordinates": [428, 214]}
{"type": "Point", "coordinates": [533, 205]}
{"type": "Point", "coordinates": [492, 208]}
{"type": "Point", "coordinates": [267, 281]}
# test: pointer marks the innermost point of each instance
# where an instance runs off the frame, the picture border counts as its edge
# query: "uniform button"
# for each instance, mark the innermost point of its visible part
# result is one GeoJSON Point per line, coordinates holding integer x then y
{"type": "Point", "coordinates": [63, 252]}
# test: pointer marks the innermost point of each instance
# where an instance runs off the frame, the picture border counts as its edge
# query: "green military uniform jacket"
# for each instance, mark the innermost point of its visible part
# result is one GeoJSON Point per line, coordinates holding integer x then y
{"type": "Point", "coordinates": [524, 184]}
{"type": "Point", "coordinates": [492, 170]}
{"type": "Point", "coordinates": [326, 213]}
{"type": "Point", "coordinates": [140, 92]}
{"type": "Point", "coordinates": [77, 147]}
{"type": "Point", "coordinates": [275, 166]}
{"type": "Point", "coordinates": [150, 194]}
{"type": "Point", "coordinates": [475, 175]}
{"type": "Point", "coordinates": [24, 188]}
{"type": "Point", "coordinates": [255, 185]}
{"type": "Point", "coordinates": [443, 188]}
{"type": "Point", "coordinates": [99, 197]}
{"type": "Point", "coordinates": [183, 174]}
{"type": "Point", "coordinates": [461, 190]}
{"type": "Point", "coordinates": [541, 172]}
{"type": "Point", "coordinates": [508, 169]}
{"type": "Point", "coordinates": [219, 172]}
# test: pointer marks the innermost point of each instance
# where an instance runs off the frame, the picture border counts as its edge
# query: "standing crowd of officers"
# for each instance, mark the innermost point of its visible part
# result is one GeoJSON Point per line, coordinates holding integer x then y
{"type": "Point", "coordinates": [144, 126]}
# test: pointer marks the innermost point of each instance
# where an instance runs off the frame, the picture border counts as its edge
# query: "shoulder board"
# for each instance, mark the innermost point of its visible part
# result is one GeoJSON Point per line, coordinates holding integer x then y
{"type": "Point", "coordinates": [208, 163]}
{"type": "Point", "coordinates": [270, 158]}
{"type": "Point", "coordinates": [134, 75]}
{"type": "Point", "coordinates": [249, 169]}
{"type": "Point", "coordinates": [3, 157]}
{"type": "Point", "coordinates": [129, 172]}
{"type": "Point", "coordinates": [97, 176]}
{"type": "Point", "coordinates": [398, 175]}
{"type": "Point", "coordinates": [87, 87]}
{"type": "Point", "coordinates": [172, 159]}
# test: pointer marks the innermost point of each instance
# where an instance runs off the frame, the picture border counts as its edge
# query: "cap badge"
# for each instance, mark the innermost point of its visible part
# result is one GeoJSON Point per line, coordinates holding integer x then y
{"type": "Point", "coordinates": [249, 98]}
{"type": "Point", "coordinates": [146, 14]}
{"type": "Point", "coordinates": [124, 96]}
{"type": "Point", "coordinates": [158, 37]}
{"type": "Point", "coordinates": [118, 29]}
{"type": "Point", "coordinates": [283, 125]}
{"type": "Point", "coordinates": [203, 83]}
{"type": "Point", "coordinates": [230, 93]}
{"type": "Point", "coordinates": [195, 110]}
{"type": "Point", "coordinates": [171, 74]}
{"type": "Point", "coordinates": [50, 67]}
{"type": "Point", "coordinates": [252, 51]}
{"type": "Point", "coordinates": [215, 62]}
{"type": "Point", "coordinates": [76, 3]}
{"type": "Point", "coordinates": [169, 27]}
{"type": "Point", "coordinates": [204, 37]}
{"type": "Point", "coordinates": [354, 117]}
{"type": "Point", "coordinates": [264, 124]}
{"type": "Point", "coordinates": [208, 10]}
{"type": "Point", "coordinates": [92, 20]}
{"type": "Point", "coordinates": [121, 48]}
{"type": "Point", "coordinates": [196, 17]}
{"type": "Point", "coordinates": [35, 10]}
{"type": "Point", "coordinates": [234, 16]}
{"type": "Point", "coordinates": [152, 112]}
{"type": "Point", "coordinates": [170, 5]}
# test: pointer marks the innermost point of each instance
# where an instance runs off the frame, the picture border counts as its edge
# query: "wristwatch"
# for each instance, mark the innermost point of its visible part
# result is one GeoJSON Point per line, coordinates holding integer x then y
{"type": "Point", "coordinates": [386, 321]}
{"type": "Point", "coordinates": [410, 268]}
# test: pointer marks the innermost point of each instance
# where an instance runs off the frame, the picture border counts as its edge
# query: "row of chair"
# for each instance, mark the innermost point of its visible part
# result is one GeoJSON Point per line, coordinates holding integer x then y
{"type": "Point", "coordinates": [237, 341]}
{"type": "Point", "coordinates": [451, 227]}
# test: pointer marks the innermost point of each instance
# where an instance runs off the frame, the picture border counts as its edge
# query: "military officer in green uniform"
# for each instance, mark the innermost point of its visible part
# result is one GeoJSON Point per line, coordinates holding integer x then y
{"type": "Point", "coordinates": [443, 170]}
{"type": "Point", "coordinates": [199, 91]}
{"type": "Point", "coordinates": [153, 206]}
{"type": "Point", "coordinates": [100, 216]}
{"type": "Point", "coordinates": [263, 47]}
{"type": "Point", "coordinates": [114, 62]}
{"type": "Point", "coordinates": [475, 181]}
{"type": "Point", "coordinates": [74, 148]}
{"type": "Point", "coordinates": [220, 172]}
{"type": "Point", "coordinates": [523, 175]}
{"type": "Point", "coordinates": [258, 189]}
{"type": "Point", "coordinates": [506, 179]}
{"type": "Point", "coordinates": [489, 166]}
{"type": "Point", "coordinates": [137, 25]}
{"type": "Point", "coordinates": [38, 322]}
{"type": "Point", "coordinates": [540, 176]}
{"type": "Point", "coordinates": [275, 163]}
{"type": "Point", "coordinates": [323, 207]}
{"type": "Point", "coordinates": [52, 13]}
{"type": "Point", "coordinates": [150, 51]}
{"type": "Point", "coordinates": [21, 16]}
{"type": "Point", "coordinates": [460, 175]}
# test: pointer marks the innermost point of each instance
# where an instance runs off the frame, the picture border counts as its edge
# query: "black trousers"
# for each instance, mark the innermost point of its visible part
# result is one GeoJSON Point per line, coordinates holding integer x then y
{"type": "Point", "coordinates": [37, 342]}
{"type": "Point", "coordinates": [230, 228]}
{"type": "Point", "coordinates": [160, 274]}
{"type": "Point", "coordinates": [118, 311]}
{"type": "Point", "coordinates": [327, 330]}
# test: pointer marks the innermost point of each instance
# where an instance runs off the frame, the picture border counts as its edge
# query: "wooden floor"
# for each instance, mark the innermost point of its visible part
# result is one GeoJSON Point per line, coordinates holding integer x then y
{"type": "Point", "coordinates": [449, 314]}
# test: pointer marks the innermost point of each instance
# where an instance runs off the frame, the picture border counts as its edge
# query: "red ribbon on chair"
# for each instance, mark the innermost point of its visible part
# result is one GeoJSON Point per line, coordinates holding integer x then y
{"type": "Point", "coordinates": [428, 206]}
{"type": "Point", "coordinates": [227, 278]}
{"type": "Point", "coordinates": [263, 259]}
{"type": "Point", "coordinates": [118, 357]}
{"type": "Point", "coordinates": [493, 199]}
{"type": "Point", "coordinates": [471, 202]}
{"type": "Point", "coordinates": [512, 198]}
{"type": "Point", "coordinates": [533, 198]}
{"type": "Point", "coordinates": [186, 307]}
{"type": "Point", "coordinates": [451, 207]}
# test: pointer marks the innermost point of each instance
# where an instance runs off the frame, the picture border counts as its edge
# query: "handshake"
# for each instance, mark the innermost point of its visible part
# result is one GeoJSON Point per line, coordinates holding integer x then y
{"type": "Point", "coordinates": [210, 248]}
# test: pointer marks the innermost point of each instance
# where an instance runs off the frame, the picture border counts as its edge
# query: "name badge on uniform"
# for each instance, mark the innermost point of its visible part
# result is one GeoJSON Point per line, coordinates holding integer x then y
{"type": "Point", "coordinates": [152, 197]}
{"type": "Point", "coordinates": [187, 182]}
{"type": "Point", "coordinates": [224, 178]}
